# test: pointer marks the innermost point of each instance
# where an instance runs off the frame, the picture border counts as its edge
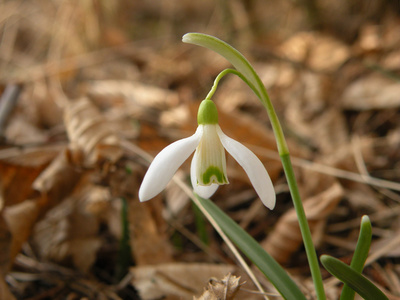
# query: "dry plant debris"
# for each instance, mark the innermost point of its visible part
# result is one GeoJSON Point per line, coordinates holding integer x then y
{"type": "Point", "coordinates": [226, 289]}
{"type": "Point", "coordinates": [103, 86]}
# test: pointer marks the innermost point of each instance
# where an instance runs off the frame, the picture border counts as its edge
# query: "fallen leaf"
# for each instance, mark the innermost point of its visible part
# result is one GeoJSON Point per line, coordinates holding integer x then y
{"type": "Point", "coordinates": [374, 91]}
{"type": "Point", "coordinates": [5, 293]}
{"type": "Point", "coordinates": [20, 219]}
{"type": "Point", "coordinates": [57, 180]}
{"type": "Point", "coordinates": [149, 243]}
{"type": "Point", "coordinates": [90, 134]}
{"type": "Point", "coordinates": [320, 52]}
{"type": "Point", "coordinates": [68, 232]}
{"type": "Point", "coordinates": [132, 94]}
{"type": "Point", "coordinates": [286, 238]}
{"type": "Point", "coordinates": [18, 170]}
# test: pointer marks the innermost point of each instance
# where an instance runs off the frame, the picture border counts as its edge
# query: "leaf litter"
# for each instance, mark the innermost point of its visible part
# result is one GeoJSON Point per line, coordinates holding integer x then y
{"type": "Point", "coordinates": [93, 83]}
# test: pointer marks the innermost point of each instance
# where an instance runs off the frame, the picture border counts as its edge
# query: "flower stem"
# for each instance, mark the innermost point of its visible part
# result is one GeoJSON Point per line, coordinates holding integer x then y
{"type": "Point", "coordinates": [222, 74]}
{"type": "Point", "coordinates": [304, 228]}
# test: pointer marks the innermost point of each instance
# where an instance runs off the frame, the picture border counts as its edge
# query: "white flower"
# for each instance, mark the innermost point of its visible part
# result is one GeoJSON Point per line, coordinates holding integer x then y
{"type": "Point", "coordinates": [208, 168]}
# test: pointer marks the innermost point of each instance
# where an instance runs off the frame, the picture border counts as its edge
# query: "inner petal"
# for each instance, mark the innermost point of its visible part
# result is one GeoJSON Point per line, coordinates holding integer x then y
{"type": "Point", "coordinates": [210, 158]}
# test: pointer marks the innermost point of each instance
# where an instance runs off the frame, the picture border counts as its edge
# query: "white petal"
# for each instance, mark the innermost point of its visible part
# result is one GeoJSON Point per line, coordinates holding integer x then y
{"type": "Point", "coordinates": [166, 163]}
{"type": "Point", "coordinates": [254, 168]}
{"type": "Point", "coordinates": [204, 191]}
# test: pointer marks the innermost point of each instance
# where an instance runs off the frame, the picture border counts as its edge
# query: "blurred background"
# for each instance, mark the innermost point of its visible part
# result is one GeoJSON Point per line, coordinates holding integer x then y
{"type": "Point", "coordinates": [92, 89]}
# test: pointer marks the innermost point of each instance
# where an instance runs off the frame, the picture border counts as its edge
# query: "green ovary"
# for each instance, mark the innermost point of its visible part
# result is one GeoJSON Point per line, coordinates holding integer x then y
{"type": "Point", "coordinates": [214, 175]}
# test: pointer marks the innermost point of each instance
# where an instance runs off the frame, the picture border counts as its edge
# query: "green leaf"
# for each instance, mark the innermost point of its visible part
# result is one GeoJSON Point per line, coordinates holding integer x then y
{"type": "Point", "coordinates": [360, 254]}
{"type": "Point", "coordinates": [267, 265]}
{"type": "Point", "coordinates": [124, 258]}
{"type": "Point", "coordinates": [230, 53]}
{"type": "Point", "coordinates": [352, 278]}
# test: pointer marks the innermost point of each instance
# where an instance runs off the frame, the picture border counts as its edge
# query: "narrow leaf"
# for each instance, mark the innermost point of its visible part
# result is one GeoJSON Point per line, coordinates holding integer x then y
{"type": "Point", "coordinates": [230, 53]}
{"type": "Point", "coordinates": [267, 265]}
{"type": "Point", "coordinates": [360, 254]}
{"type": "Point", "coordinates": [364, 287]}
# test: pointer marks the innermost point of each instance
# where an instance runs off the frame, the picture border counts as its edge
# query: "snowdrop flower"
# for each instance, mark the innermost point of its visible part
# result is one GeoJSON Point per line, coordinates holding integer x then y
{"type": "Point", "coordinates": [208, 168]}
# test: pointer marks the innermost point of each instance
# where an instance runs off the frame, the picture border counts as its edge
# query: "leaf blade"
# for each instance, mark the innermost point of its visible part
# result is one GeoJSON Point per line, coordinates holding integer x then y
{"type": "Point", "coordinates": [364, 287]}
{"type": "Point", "coordinates": [271, 269]}
{"type": "Point", "coordinates": [360, 254]}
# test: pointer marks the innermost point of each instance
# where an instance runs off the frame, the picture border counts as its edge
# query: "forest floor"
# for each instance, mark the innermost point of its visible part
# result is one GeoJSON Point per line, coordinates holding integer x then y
{"type": "Point", "coordinates": [92, 90]}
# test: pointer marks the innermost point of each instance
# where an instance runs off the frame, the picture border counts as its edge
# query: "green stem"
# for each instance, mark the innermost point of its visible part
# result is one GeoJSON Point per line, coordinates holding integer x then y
{"type": "Point", "coordinates": [222, 74]}
{"type": "Point", "coordinates": [304, 228]}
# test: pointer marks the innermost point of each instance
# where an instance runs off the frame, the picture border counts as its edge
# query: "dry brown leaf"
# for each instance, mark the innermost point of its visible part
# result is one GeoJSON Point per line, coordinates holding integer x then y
{"type": "Point", "coordinates": [175, 280]}
{"type": "Point", "coordinates": [225, 289]}
{"type": "Point", "coordinates": [20, 219]}
{"type": "Point", "coordinates": [45, 110]}
{"type": "Point", "coordinates": [325, 131]}
{"type": "Point", "coordinates": [389, 243]}
{"type": "Point", "coordinates": [370, 38]}
{"type": "Point", "coordinates": [91, 139]}
{"type": "Point", "coordinates": [21, 132]}
{"type": "Point", "coordinates": [68, 232]}
{"type": "Point", "coordinates": [5, 260]}
{"type": "Point", "coordinates": [318, 51]}
{"type": "Point", "coordinates": [148, 242]}
{"type": "Point", "coordinates": [374, 91]}
{"type": "Point", "coordinates": [5, 244]}
{"type": "Point", "coordinates": [133, 94]}
{"type": "Point", "coordinates": [5, 293]}
{"type": "Point", "coordinates": [57, 180]}
{"type": "Point", "coordinates": [286, 238]}
{"type": "Point", "coordinates": [18, 170]}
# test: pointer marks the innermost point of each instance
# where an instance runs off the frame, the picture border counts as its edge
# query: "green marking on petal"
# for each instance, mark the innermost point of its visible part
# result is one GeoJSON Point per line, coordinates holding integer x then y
{"type": "Point", "coordinates": [207, 113]}
{"type": "Point", "coordinates": [214, 175]}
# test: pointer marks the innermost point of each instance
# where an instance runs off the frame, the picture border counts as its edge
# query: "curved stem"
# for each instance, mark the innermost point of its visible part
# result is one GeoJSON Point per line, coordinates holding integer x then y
{"type": "Point", "coordinates": [222, 74]}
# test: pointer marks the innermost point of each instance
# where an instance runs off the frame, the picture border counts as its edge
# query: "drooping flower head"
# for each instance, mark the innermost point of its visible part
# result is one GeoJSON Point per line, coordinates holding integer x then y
{"type": "Point", "coordinates": [208, 167]}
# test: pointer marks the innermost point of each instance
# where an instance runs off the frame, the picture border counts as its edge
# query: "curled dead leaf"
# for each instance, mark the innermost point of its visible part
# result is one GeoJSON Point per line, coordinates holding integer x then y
{"type": "Point", "coordinates": [89, 133]}
{"type": "Point", "coordinates": [57, 180]}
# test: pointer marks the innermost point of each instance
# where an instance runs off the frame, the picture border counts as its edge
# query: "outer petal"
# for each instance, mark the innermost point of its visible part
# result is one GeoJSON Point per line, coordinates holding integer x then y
{"type": "Point", "coordinates": [165, 165]}
{"type": "Point", "coordinates": [254, 168]}
{"type": "Point", "coordinates": [204, 191]}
